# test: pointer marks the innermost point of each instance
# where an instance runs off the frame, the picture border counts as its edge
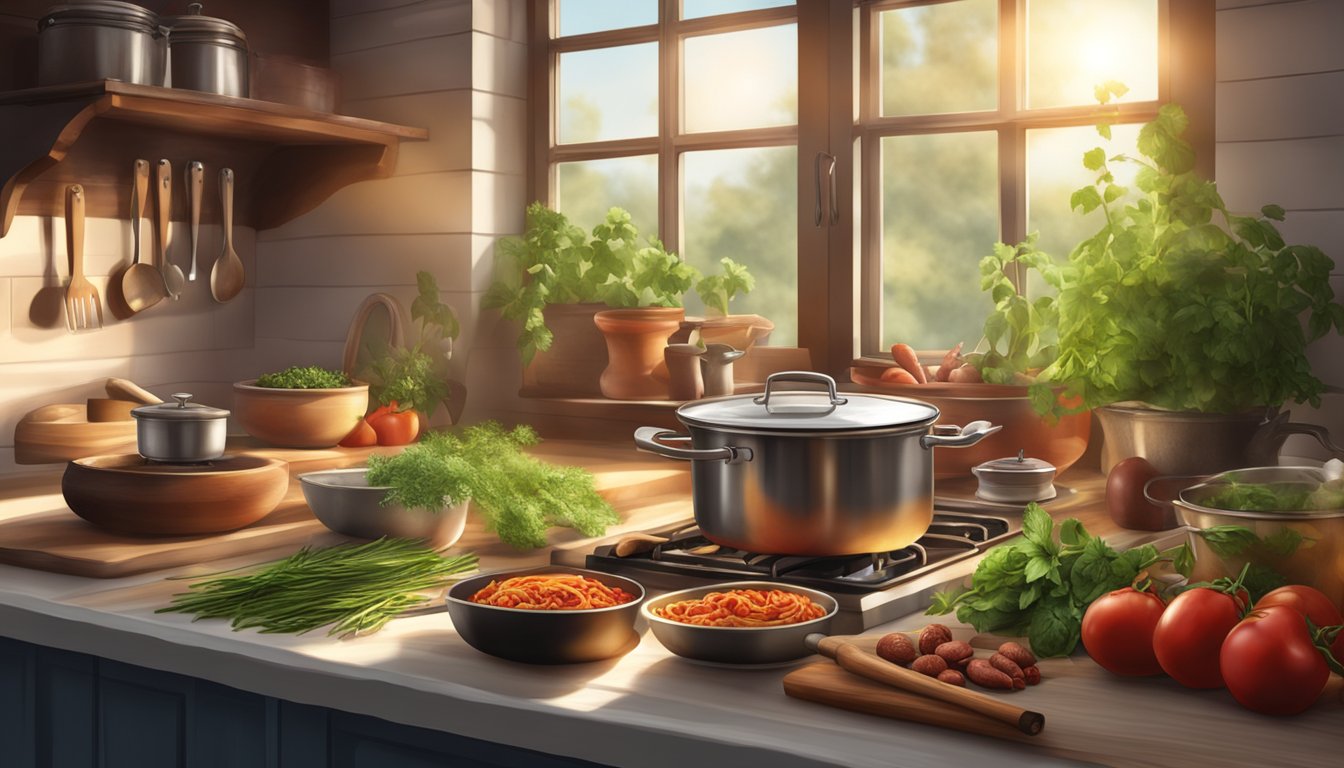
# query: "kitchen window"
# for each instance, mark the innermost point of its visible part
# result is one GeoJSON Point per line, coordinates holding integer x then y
{"type": "Point", "coordinates": [859, 157]}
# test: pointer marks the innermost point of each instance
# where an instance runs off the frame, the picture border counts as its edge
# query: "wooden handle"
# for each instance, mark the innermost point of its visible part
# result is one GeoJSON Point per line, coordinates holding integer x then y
{"type": "Point", "coordinates": [163, 181]}
{"type": "Point", "coordinates": [195, 188]}
{"type": "Point", "coordinates": [121, 389]}
{"type": "Point", "coordinates": [226, 200]}
{"type": "Point", "coordinates": [856, 660]}
{"type": "Point", "coordinates": [635, 543]}
{"type": "Point", "coordinates": [139, 195]}
{"type": "Point", "coordinates": [74, 229]}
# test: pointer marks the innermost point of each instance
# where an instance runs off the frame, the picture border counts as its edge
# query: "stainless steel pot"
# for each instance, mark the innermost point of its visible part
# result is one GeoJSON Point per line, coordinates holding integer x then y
{"type": "Point", "coordinates": [180, 432]}
{"type": "Point", "coordinates": [100, 40]}
{"type": "Point", "coordinates": [207, 54]}
{"type": "Point", "coordinates": [811, 473]}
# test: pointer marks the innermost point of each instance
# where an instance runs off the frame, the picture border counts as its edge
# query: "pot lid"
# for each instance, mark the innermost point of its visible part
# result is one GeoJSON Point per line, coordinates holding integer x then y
{"type": "Point", "coordinates": [195, 28]}
{"type": "Point", "coordinates": [181, 410]}
{"type": "Point", "coordinates": [807, 410]}
{"type": "Point", "coordinates": [102, 11]}
{"type": "Point", "coordinates": [1016, 465]}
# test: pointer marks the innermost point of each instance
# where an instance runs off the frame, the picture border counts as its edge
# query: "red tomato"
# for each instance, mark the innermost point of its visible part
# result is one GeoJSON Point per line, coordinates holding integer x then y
{"type": "Point", "coordinates": [1126, 502]}
{"type": "Point", "coordinates": [361, 436]}
{"type": "Point", "coordinates": [395, 427]}
{"type": "Point", "coordinates": [1190, 632]}
{"type": "Point", "coordinates": [1308, 601]}
{"type": "Point", "coordinates": [1270, 663]}
{"type": "Point", "coordinates": [1118, 631]}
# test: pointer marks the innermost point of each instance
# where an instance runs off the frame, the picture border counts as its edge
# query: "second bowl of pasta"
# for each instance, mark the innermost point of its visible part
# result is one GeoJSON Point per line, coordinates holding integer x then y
{"type": "Point", "coordinates": [741, 622]}
{"type": "Point", "coordinates": [547, 615]}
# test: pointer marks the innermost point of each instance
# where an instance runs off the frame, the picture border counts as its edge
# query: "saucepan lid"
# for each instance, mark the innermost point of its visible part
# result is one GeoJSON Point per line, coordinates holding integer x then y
{"type": "Point", "coordinates": [180, 410]}
{"type": "Point", "coordinates": [807, 410]}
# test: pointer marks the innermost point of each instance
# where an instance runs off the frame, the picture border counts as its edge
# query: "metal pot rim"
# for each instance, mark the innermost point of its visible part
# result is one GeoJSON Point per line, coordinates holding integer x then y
{"type": "Point", "coordinates": [505, 573]}
{"type": "Point", "coordinates": [825, 416]}
{"type": "Point", "coordinates": [831, 605]}
{"type": "Point", "coordinates": [1181, 502]}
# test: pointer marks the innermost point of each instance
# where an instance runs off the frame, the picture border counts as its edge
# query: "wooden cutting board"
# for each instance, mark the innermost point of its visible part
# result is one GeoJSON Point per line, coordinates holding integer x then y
{"type": "Point", "coordinates": [38, 530]}
{"type": "Point", "coordinates": [1097, 717]}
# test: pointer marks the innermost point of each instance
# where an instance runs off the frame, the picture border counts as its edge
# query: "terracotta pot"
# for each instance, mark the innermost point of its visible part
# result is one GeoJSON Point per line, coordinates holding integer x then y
{"type": "Point", "coordinates": [576, 359]}
{"type": "Point", "coordinates": [1060, 444]}
{"type": "Point", "coordinates": [299, 418]}
{"type": "Point", "coordinates": [1188, 443]}
{"type": "Point", "coordinates": [635, 342]}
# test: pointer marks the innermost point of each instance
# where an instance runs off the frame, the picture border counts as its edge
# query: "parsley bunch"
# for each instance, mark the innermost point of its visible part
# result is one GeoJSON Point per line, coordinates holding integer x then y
{"type": "Point", "coordinates": [1178, 303]}
{"type": "Point", "coordinates": [717, 290]}
{"type": "Point", "coordinates": [519, 496]}
{"type": "Point", "coordinates": [1040, 587]}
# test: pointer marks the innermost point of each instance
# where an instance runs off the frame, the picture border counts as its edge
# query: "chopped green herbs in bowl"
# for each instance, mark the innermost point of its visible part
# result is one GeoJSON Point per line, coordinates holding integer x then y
{"type": "Point", "coordinates": [304, 377]}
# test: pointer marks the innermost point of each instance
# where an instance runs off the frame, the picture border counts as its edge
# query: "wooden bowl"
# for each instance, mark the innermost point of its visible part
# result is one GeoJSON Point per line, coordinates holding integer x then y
{"type": "Point", "coordinates": [129, 494]}
{"type": "Point", "coordinates": [59, 433]}
{"type": "Point", "coordinates": [299, 418]}
{"type": "Point", "coordinates": [1061, 443]}
{"type": "Point", "coordinates": [102, 409]}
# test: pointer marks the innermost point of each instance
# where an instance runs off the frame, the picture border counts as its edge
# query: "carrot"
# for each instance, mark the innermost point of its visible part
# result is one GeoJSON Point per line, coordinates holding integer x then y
{"type": "Point", "coordinates": [950, 362]}
{"type": "Point", "coordinates": [898, 375]}
{"type": "Point", "coordinates": [905, 356]}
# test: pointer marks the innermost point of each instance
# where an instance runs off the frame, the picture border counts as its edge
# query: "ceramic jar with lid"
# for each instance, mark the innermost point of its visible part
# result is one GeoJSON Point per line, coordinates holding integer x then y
{"type": "Point", "coordinates": [1015, 479]}
{"type": "Point", "coordinates": [180, 431]}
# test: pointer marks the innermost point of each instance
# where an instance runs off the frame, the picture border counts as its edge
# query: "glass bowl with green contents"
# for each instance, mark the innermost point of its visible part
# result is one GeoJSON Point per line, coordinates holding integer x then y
{"type": "Point", "coordinates": [1286, 523]}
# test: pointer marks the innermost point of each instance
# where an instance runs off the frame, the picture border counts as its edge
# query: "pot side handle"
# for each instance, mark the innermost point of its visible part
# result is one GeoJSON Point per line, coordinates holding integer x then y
{"type": "Point", "coordinates": [652, 439]}
{"type": "Point", "coordinates": [963, 436]}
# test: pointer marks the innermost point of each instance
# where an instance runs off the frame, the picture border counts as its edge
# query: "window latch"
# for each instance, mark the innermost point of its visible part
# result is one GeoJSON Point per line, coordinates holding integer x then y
{"type": "Point", "coordinates": [829, 161]}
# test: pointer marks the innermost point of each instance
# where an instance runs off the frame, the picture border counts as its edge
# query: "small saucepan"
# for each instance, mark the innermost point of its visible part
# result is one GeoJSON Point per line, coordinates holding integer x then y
{"type": "Point", "coordinates": [809, 472]}
{"type": "Point", "coordinates": [180, 432]}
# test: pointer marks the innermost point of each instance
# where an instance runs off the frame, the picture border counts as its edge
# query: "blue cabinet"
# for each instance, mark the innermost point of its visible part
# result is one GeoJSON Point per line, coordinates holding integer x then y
{"type": "Point", "coordinates": [69, 710]}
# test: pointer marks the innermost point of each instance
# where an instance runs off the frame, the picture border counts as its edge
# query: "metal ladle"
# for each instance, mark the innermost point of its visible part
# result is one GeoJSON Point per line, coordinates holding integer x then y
{"type": "Point", "coordinates": [141, 285]}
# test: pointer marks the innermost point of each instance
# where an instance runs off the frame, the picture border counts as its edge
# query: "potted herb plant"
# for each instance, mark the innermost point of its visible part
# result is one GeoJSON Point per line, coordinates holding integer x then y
{"type": "Point", "coordinates": [1181, 322]}
{"type": "Point", "coordinates": [408, 384]}
{"type": "Point", "coordinates": [552, 280]}
{"type": "Point", "coordinates": [636, 335]}
{"type": "Point", "coordinates": [720, 327]}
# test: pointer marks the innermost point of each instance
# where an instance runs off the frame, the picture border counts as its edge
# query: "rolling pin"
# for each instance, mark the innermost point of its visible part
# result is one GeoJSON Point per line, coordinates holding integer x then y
{"type": "Point", "coordinates": [854, 659]}
{"type": "Point", "coordinates": [121, 389]}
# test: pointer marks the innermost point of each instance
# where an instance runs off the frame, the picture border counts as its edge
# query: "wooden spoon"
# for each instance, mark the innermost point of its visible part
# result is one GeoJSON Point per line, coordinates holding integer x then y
{"type": "Point", "coordinates": [141, 285]}
{"type": "Point", "coordinates": [226, 278]}
{"type": "Point", "coordinates": [173, 280]}
{"type": "Point", "coordinates": [121, 389]}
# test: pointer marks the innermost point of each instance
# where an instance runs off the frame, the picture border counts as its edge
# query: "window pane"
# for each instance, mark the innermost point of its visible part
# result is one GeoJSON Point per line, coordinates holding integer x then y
{"type": "Point", "coordinates": [608, 93]}
{"type": "Point", "coordinates": [694, 9]}
{"type": "Point", "coordinates": [585, 190]}
{"type": "Point", "coordinates": [743, 204]}
{"type": "Point", "coordinates": [740, 80]}
{"type": "Point", "coordinates": [1075, 45]}
{"type": "Point", "coordinates": [580, 16]}
{"type": "Point", "coordinates": [940, 215]}
{"type": "Point", "coordinates": [1055, 170]}
{"type": "Point", "coordinates": [940, 58]}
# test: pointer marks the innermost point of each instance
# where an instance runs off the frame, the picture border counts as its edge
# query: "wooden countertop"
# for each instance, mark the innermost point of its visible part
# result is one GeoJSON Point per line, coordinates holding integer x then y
{"type": "Point", "coordinates": [647, 707]}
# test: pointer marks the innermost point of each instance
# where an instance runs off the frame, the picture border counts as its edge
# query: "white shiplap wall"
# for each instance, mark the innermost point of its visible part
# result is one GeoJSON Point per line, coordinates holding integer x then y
{"type": "Point", "coordinates": [458, 68]}
{"type": "Point", "coordinates": [192, 344]}
{"type": "Point", "coordinates": [1280, 134]}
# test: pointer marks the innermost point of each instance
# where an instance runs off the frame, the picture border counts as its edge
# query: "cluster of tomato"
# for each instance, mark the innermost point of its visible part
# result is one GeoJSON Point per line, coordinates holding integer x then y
{"type": "Point", "coordinates": [386, 425]}
{"type": "Point", "coordinates": [1274, 658]}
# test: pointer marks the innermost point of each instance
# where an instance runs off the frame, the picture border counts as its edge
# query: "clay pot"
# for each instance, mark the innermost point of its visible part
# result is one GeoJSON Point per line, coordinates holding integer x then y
{"type": "Point", "coordinates": [635, 341]}
{"type": "Point", "coordinates": [576, 359]}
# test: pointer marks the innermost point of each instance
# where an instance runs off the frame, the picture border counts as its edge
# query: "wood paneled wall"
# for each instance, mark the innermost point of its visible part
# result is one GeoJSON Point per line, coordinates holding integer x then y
{"type": "Point", "coordinates": [1280, 134]}
{"type": "Point", "coordinates": [456, 67]}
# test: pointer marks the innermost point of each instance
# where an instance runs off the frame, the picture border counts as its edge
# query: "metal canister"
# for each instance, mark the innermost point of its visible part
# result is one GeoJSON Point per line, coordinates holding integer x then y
{"type": "Point", "coordinates": [207, 54]}
{"type": "Point", "coordinates": [180, 432]}
{"type": "Point", "coordinates": [100, 40]}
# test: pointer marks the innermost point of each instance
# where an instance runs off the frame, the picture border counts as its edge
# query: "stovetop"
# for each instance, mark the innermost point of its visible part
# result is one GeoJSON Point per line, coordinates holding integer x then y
{"type": "Point", "coordinates": [871, 588]}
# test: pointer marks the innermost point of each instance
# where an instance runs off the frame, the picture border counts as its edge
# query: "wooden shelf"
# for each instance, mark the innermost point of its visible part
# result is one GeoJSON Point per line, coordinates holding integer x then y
{"type": "Point", "coordinates": [286, 160]}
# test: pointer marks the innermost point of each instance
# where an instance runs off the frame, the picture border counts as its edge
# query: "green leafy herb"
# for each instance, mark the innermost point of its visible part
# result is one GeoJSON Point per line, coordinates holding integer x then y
{"type": "Point", "coordinates": [1259, 554]}
{"type": "Point", "coordinates": [1040, 587]}
{"type": "Point", "coordinates": [304, 377]}
{"type": "Point", "coordinates": [1177, 302]}
{"type": "Point", "coordinates": [417, 377]}
{"type": "Point", "coordinates": [519, 496]}
{"type": "Point", "coordinates": [1020, 334]}
{"type": "Point", "coordinates": [356, 588]}
{"type": "Point", "coordinates": [1277, 497]}
{"type": "Point", "coordinates": [717, 290]}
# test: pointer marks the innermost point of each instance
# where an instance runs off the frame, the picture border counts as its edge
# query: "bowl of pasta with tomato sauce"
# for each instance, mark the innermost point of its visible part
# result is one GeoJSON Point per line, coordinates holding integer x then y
{"type": "Point", "coordinates": [551, 614]}
{"type": "Point", "coordinates": [741, 622]}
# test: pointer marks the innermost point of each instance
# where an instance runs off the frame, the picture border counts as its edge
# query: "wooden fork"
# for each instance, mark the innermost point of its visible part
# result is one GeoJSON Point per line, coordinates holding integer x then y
{"type": "Point", "coordinates": [83, 307]}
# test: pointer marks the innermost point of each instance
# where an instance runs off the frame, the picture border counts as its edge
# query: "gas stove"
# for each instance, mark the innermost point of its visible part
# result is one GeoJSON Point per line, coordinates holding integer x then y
{"type": "Point", "coordinates": [871, 588]}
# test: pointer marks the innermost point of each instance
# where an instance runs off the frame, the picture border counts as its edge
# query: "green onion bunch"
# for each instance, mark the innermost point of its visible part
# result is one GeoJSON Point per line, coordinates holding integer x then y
{"type": "Point", "coordinates": [356, 588]}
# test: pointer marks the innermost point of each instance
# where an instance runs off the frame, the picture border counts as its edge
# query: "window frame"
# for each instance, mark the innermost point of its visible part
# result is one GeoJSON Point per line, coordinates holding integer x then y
{"type": "Point", "coordinates": [839, 266]}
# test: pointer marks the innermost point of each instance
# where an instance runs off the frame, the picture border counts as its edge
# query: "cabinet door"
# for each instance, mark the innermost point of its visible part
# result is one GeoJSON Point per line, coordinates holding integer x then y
{"type": "Point", "coordinates": [142, 717]}
{"type": "Point", "coordinates": [17, 672]}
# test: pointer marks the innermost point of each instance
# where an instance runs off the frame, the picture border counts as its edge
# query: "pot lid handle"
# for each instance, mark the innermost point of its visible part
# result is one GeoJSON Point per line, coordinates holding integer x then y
{"type": "Point", "coordinates": [797, 407]}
